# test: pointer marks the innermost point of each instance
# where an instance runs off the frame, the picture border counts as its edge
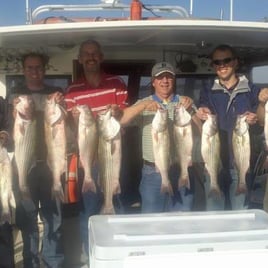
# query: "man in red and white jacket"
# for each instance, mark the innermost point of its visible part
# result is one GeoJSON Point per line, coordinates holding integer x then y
{"type": "Point", "coordinates": [97, 90]}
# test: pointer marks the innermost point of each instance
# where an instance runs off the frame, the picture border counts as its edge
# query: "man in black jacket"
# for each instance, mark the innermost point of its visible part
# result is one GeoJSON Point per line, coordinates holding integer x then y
{"type": "Point", "coordinates": [39, 179]}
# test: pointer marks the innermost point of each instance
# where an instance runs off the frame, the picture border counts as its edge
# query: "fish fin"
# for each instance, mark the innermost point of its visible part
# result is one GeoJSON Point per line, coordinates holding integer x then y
{"type": "Point", "coordinates": [113, 147]}
{"type": "Point", "coordinates": [116, 188]}
{"type": "Point", "coordinates": [54, 132]}
{"type": "Point", "coordinates": [57, 193]}
{"type": "Point", "coordinates": [22, 129]}
{"type": "Point", "coordinates": [89, 185]}
{"type": "Point", "coordinates": [215, 192]}
{"type": "Point", "coordinates": [184, 182]}
{"type": "Point", "coordinates": [107, 210]}
{"type": "Point", "coordinates": [12, 202]}
{"type": "Point", "coordinates": [167, 188]}
{"type": "Point", "coordinates": [155, 136]}
{"type": "Point", "coordinates": [241, 188]}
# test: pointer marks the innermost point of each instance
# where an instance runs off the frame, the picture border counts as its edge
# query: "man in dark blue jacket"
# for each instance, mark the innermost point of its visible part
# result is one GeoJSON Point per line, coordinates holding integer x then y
{"type": "Point", "coordinates": [230, 95]}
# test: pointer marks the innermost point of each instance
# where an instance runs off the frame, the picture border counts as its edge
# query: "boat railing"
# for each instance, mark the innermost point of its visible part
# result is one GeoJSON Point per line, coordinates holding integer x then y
{"type": "Point", "coordinates": [175, 10]}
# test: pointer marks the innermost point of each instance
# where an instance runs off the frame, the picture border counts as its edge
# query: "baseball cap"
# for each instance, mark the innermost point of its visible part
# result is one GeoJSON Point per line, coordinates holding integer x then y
{"type": "Point", "coordinates": [162, 67]}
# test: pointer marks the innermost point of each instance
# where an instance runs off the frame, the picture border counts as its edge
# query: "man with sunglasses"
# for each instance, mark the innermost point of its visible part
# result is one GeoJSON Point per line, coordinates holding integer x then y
{"type": "Point", "coordinates": [230, 95]}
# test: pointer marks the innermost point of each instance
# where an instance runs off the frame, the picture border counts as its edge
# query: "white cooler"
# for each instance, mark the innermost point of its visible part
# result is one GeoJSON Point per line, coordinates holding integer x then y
{"type": "Point", "coordinates": [209, 239]}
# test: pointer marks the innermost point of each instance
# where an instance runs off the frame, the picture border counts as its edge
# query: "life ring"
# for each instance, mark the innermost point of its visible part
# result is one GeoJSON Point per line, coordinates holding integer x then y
{"type": "Point", "coordinates": [71, 183]}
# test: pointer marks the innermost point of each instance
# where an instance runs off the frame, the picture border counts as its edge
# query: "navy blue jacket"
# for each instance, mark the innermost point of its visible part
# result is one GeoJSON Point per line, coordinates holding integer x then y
{"type": "Point", "coordinates": [227, 105]}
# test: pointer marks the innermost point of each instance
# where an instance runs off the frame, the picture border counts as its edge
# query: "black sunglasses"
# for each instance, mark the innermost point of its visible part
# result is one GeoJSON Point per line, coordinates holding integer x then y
{"type": "Point", "coordinates": [222, 62]}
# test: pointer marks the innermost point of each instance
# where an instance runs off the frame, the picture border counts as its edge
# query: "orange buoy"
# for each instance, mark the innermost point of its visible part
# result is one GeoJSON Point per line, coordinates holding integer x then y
{"type": "Point", "coordinates": [72, 179]}
{"type": "Point", "coordinates": [135, 10]}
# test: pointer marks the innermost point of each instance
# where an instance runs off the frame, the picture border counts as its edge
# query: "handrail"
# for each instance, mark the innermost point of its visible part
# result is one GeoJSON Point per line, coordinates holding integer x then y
{"type": "Point", "coordinates": [180, 11]}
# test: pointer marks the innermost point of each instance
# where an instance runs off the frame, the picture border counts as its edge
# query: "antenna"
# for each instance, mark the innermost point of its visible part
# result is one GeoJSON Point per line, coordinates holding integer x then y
{"type": "Point", "coordinates": [191, 7]}
{"type": "Point", "coordinates": [231, 10]}
{"type": "Point", "coordinates": [27, 12]}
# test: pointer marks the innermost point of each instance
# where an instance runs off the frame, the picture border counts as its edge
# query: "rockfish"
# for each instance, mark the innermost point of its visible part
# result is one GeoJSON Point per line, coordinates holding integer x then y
{"type": "Point", "coordinates": [241, 149]}
{"type": "Point", "coordinates": [87, 142]}
{"type": "Point", "coordinates": [161, 147]}
{"type": "Point", "coordinates": [109, 158]}
{"type": "Point", "coordinates": [265, 164]}
{"type": "Point", "coordinates": [55, 137]}
{"type": "Point", "coordinates": [24, 140]}
{"type": "Point", "coordinates": [184, 143]}
{"type": "Point", "coordinates": [210, 150]}
{"type": "Point", "coordinates": [266, 125]}
{"type": "Point", "coordinates": [7, 200]}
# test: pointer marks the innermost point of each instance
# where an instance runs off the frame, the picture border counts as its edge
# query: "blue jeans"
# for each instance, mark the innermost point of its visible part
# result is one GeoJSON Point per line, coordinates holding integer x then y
{"type": "Point", "coordinates": [40, 184]}
{"type": "Point", "coordinates": [152, 200]}
{"type": "Point", "coordinates": [6, 246]}
{"type": "Point", "coordinates": [228, 182]}
{"type": "Point", "coordinates": [90, 205]}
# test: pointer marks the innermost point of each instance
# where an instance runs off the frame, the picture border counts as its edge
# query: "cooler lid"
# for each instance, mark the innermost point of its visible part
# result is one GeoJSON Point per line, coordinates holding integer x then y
{"type": "Point", "coordinates": [118, 236]}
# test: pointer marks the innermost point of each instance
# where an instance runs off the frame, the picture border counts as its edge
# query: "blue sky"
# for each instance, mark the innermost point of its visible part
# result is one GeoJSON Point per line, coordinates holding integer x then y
{"type": "Point", "coordinates": [12, 12]}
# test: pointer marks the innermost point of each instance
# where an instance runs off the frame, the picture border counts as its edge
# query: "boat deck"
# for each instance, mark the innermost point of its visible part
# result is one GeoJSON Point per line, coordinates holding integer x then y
{"type": "Point", "coordinates": [71, 245]}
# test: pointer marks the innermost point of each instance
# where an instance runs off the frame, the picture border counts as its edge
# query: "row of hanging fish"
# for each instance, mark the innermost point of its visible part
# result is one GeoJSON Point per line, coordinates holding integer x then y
{"type": "Point", "coordinates": [97, 139]}
{"type": "Point", "coordinates": [210, 148]}
{"type": "Point", "coordinates": [100, 139]}
{"type": "Point", "coordinates": [161, 145]}
{"type": "Point", "coordinates": [25, 139]}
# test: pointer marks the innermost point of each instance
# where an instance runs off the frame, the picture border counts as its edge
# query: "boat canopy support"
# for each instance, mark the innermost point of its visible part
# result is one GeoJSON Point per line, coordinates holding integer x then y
{"type": "Point", "coordinates": [177, 10]}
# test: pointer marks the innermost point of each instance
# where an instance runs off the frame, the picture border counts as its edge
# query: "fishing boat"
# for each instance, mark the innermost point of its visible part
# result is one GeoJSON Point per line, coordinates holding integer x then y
{"type": "Point", "coordinates": [132, 44]}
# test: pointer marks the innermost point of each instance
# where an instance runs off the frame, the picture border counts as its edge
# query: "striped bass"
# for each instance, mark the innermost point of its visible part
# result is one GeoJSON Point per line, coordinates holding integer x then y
{"type": "Point", "coordinates": [7, 200]}
{"type": "Point", "coordinates": [184, 143]}
{"type": "Point", "coordinates": [266, 125]}
{"type": "Point", "coordinates": [241, 149]}
{"type": "Point", "coordinates": [87, 143]}
{"type": "Point", "coordinates": [265, 198]}
{"type": "Point", "coordinates": [265, 164]}
{"type": "Point", "coordinates": [109, 158]}
{"type": "Point", "coordinates": [210, 150]}
{"type": "Point", "coordinates": [55, 137]}
{"type": "Point", "coordinates": [161, 147]}
{"type": "Point", "coordinates": [24, 141]}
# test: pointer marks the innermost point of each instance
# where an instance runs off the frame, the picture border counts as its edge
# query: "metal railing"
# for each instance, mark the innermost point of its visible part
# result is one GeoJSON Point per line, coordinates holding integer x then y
{"type": "Point", "coordinates": [32, 16]}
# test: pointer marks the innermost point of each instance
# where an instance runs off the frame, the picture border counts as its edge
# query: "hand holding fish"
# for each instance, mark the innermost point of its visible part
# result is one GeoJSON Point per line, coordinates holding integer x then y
{"type": "Point", "coordinates": [4, 137]}
{"type": "Point", "coordinates": [75, 114]}
{"type": "Point", "coordinates": [116, 112]}
{"type": "Point", "coordinates": [251, 118]}
{"type": "Point", "coordinates": [186, 102]}
{"type": "Point", "coordinates": [24, 105]}
{"type": "Point", "coordinates": [58, 97]}
{"type": "Point", "coordinates": [202, 113]}
{"type": "Point", "coordinates": [263, 95]}
{"type": "Point", "coordinates": [150, 105]}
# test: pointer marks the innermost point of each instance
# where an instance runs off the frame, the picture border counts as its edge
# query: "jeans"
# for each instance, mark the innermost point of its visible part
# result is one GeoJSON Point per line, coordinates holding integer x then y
{"type": "Point", "coordinates": [40, 184]}
{"type": "Point", "coordinates": [6, 246]}
{"type": "Point", "coordinates": [90, 205]}
{"type": "Point", "coordinates": [152, 200]}
{"type": "Point", "coordinates": [228, 182]}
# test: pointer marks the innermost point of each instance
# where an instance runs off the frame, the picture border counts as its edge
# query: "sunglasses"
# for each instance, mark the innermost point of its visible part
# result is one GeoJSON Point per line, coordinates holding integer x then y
{"type": "Point", "coordinates": [222, 62]}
